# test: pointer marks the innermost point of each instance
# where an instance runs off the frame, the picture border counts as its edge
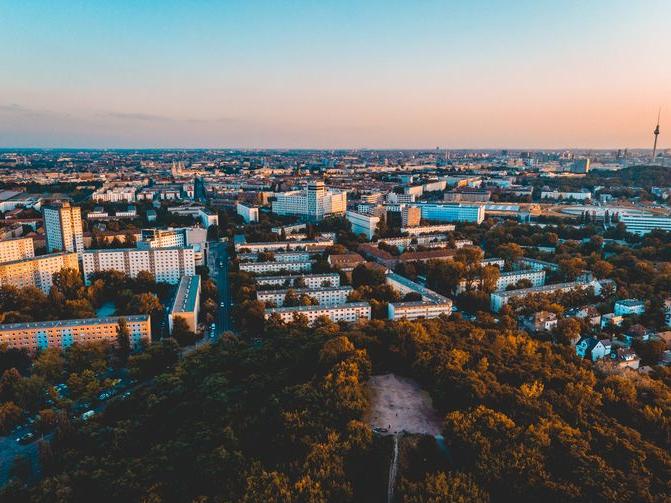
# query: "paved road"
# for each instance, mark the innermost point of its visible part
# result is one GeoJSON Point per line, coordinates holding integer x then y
{"type": "Point", "coordinates": [10, 448]}
{"type": "Point", "coordinates": [218, 254]}
{"type": "Point", "coordinates": [218, 264]}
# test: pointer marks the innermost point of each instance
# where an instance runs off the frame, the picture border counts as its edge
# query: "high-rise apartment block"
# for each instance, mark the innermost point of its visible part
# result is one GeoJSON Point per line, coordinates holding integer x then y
{"type": "Point", "coordinates": [16, 249]}
{"type": "Point", "coordinates": [63, 228]}
{"type": "Point", "coordinates": [313, 204]}
{"type": "Point", "coordinates": [168, 265]}
{"type": "Point", "coordinates": [36, 271]}
{"type": "Point", "coordinates": [411, 216]}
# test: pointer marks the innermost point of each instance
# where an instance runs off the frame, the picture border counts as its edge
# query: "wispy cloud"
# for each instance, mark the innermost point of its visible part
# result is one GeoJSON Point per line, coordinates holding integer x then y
{"type": "Point", "coordinates": [14, 108]}
{"type": "Point", "coordinates": [137, 116]}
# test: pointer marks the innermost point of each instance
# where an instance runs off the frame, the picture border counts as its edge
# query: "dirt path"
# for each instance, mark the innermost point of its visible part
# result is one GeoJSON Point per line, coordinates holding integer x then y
{"type": "Point", "coordinates": [399, 404]}
{"type": "Point", "coordinates": [393, 470]}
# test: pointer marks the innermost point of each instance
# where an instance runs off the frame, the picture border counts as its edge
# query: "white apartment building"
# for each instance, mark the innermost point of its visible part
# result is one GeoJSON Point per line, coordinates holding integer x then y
{"type": "Point", "coordinates": [432, 304]}
{"type": "Point", "coordinates": [394, 198]}
{"type": "Point", "coordinates": [349, 312]}
{"type": "Point", "coordinates": [500, 299]}
{"type": "Point", "coordinates": [329, 297]}
{"type": "Point", "coordinates": [40, 335]}
{"type": "Point", "coordinates": [555, 194]}
{"type": "Point", "coordinates": [163, 238]}
{"type": "Point", "coordinates": [427, 229]}
{"type": "Point", "coordinates": [63, 228]}
{"type": "Point", "coordinates": [16, 249]}
{"type": "Point", "coordinates": [536, 265]}
{"type": "Point", "coordinates": [168, 265]}
{"type": "Point", "coordinates": [642, 225]}
{"type": "Point", "coordinates": [130, 212]}
{"type": "Point", "coordinates": [363, 224]}
{"type": "Point", "coordinates": [271, 246]}
{"type": "Point", "coordinates": [291, 256]}
{"type": "Point", "coordinates": [248, 213]}
{"type": "Point", "coordinates": [426, 240]}
{"type": "Point", "coordinates": [36, 271]}
{"type": "Point", "coordinates": [195, 237]}
{"type": "Point", "coordinates": [114, 194]}
{"type": "Point", "coordinates": [314, 203]}
{"type": "Point", "coordinates": [331, 279]}
{"type": "Point", "coordinates": [208, 218]}
{"type": "Point", "coordinates": [508, 278]}
{"type": "Point", "coordinates": [265, 267]}
{"type": "Point", "coordinates": [289, 229]}
{"type": "Point", "coordinates": [418, 310]}
{"type": "Point", "coordinates": [97, 213]}
{"type": "Point", "coordinates": [627, 307]}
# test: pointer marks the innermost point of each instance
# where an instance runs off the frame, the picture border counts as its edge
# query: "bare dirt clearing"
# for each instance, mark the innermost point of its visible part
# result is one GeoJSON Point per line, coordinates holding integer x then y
{"type": "Point", "coordinates": [399, 404]}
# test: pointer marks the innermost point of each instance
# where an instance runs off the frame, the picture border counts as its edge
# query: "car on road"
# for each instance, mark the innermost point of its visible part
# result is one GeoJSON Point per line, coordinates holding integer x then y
{"type": "Point", "coordinates": [26, 438]}
{"type": "Point", "coordinates": [88, 415]}
{"type": "Point", "coordinates": [105, 395]}
{"type": "Point", "coordinates": [380, 430]}
{"type": "Point", "coordinates": [222, 305]}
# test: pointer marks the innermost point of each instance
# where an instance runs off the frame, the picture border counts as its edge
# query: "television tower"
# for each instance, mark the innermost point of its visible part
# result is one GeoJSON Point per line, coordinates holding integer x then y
{"type": "Point", "coordinates": [656, 133]}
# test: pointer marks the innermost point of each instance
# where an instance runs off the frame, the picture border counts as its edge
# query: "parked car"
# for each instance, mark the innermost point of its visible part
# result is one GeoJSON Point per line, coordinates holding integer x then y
{"type": "Point", "coordinates": [88, 415]}
{"type": "Point", "coordinates": [26, 438]}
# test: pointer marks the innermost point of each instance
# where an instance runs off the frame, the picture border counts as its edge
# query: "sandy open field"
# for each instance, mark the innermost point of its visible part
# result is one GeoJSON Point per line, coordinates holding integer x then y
{"type": "Point", "coordinates": [399, 404]}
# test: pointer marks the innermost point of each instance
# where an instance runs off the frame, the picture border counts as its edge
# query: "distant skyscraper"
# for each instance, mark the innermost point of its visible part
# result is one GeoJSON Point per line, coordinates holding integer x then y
{"type": "Point", "coordinates": [63, 228]}
{"type": "Point", "coordinates": [656, 133]}
{"type": "Point", "coordinates": [580, 166]}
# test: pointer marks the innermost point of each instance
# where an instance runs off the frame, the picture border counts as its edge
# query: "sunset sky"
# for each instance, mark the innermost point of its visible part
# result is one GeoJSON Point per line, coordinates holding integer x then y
{"type": "Point", "coordinates": [330, 74]}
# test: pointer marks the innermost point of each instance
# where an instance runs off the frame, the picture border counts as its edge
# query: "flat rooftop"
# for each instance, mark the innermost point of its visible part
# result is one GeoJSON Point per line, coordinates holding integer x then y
{"type": "Point", "coordinates": [306, 290]}
{"type": "Point", "coordinates": [348, 305]}
{"type": "Point", "coordinates": [187, 295]}
{"type": "Point", "coordinates": [541, 289]}
{"type": "Point", "coordinates": [71, 323]}
{"type": "Point", "coordinates": [416, 287]}
{"type": "Point", "coordinates": [293, 276]}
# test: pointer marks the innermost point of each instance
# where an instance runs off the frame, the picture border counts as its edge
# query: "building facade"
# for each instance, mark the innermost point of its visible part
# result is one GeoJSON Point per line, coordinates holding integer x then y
{"type": "Point", "coordinates": [447, 212]}
{"type": "Point", "coordinates": [411, 216]}
{"type": "Point", "coordinates": [63, 228]}
{"type": "Point", "coordinates": [332, 296]}
{"type": "Point", "coordinates": [16, 249]}
{"type": "Point", "coordinates": [35, 336]}
{"type": "Point", "coordinates": [248, 213]}
{"type": "Point", "coordinates": [314, 203]}
{"type": "Point", "coordinates": [37, 271]}
{"type": "Point", "coordinates": [349, 312]}
{"type": "Point", "coordinates": [168, 265]}
{"type": "Point", "coordinates": [186, 303]}
{"type": "Point", "coordinates": [316, 244]}
{"type": "Point", "coordinates": [331, 279]}
{"type": "Point", "coordinates": [363, 224]}
{"type": "Point", "coordinates": [265, 267]}
{"type": "Point", "coordinates": [643, 225]}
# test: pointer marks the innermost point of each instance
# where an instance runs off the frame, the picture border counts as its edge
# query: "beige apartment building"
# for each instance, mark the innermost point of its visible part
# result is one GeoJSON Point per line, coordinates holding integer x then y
{"type": "Point", "coordinates": [36, 271]}
{"type": "Point", "coordinates": [35, 336]}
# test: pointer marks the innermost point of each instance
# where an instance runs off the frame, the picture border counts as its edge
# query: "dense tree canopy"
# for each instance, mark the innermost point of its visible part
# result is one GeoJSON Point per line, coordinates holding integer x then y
{"type": "Point", "coordinates": [524, 420]}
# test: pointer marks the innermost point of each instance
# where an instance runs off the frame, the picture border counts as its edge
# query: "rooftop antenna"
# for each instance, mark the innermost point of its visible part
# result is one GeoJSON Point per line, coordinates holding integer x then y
{"type": "Point", "coordinates": [656, 133]}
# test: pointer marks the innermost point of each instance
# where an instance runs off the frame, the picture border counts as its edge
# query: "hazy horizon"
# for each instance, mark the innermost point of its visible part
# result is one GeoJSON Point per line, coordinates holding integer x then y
{"type": "Point", "coordinates": [527, 75]}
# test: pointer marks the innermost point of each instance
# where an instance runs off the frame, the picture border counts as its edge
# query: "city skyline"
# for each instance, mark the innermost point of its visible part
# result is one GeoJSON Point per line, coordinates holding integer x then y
{"type": "Point", "coordinates": [528, 75]}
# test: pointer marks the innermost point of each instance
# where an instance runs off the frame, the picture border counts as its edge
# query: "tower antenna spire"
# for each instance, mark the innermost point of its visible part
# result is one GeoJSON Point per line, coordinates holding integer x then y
{"type": "Point", "coordinates": [656, 133]}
